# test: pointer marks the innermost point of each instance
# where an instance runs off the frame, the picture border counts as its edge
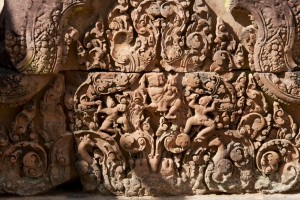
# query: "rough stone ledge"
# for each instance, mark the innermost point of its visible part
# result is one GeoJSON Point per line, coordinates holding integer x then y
{"type": "Point", "coordinates": [88, 196]}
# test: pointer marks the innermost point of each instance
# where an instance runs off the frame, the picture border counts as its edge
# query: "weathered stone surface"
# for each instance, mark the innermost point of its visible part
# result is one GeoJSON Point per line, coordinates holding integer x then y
{"type": "Point", "coordinates": [39, 34]}
{"type": "Point", "coordinates": [70, 195]}
{"type": "Point", "coordinates": [150, 97]}
{"type": "Point", "coordinates": [192, 132]}
{"type": "Point", "coordinates": [36, 147]}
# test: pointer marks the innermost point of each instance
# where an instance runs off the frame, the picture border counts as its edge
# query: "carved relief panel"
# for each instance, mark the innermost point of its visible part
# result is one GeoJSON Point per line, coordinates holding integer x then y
{"type": "Point", "coordinates": [209, 127]}
{"type": "Point", "coordinates": [39, 35]}
{"type": "Point", "coordinates": [36, 148]}
{"type": "Point", "coordinates": [155, 97]}
{"type": "Point", "coordinates": [195, 133]}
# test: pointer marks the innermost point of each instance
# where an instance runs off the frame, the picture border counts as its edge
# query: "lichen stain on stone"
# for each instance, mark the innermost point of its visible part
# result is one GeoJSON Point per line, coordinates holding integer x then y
{"type": "Point", "coordinates": [227, 5]}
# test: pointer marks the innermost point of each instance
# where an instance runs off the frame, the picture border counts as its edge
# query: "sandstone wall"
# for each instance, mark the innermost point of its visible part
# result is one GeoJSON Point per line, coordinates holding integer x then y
{"type": "Point", "coordinates": [150, 97]}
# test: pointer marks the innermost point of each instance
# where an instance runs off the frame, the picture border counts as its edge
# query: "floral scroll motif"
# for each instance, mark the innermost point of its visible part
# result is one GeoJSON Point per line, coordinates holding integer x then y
{"type": "Point", "coordinates": [168, 36]}
{"type": "Point", "coordinates": [195, 132]}
{"type": "Point", "coordinates": [36, 148]}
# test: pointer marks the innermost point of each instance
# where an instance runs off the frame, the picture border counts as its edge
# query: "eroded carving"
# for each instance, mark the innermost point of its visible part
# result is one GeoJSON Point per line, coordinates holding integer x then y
{"type": "Point", "coordinates": [214, 129]}
{"type": "Point", "coordinates": [183, 37]}
{"type": "Point", "coordinates": [94, 53]}
{"type": "Point", "coordinates": [283, 87]}
{"type": "Point", "coordinates": [276, 30]}
{"type": "Point", "coordinates": [36, 148]}
{"type": "Point", "coordinates": [228, 54]}
{"type": "Point", "coordinates": [41, 45]}
{"type": "Point", "coordinates": [167, 105]}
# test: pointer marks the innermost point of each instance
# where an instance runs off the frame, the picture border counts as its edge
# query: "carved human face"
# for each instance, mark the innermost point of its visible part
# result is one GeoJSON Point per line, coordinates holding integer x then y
{"type": "Point", "coordinates": [210, 85]}
{"type": "Point", "coordinates": [192, 80]}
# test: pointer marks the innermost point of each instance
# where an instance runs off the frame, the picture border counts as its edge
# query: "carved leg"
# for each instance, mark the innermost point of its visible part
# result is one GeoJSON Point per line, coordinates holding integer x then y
{"type": "Point", "coordinates": [202, 134]}
{"type": "Point", "coordinates": [173, 109]}
{"type": "Point", "coordinates": [123, 120]}
{"type": "Point", "coordinates": [189, 123]}
{"type": "Point", "coordinates": [106, 124]}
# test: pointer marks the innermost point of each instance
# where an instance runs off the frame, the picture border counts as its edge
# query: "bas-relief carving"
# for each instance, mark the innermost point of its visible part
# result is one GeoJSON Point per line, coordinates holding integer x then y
{"type": "Point", "coordinates": [195, 133]}
{"type": "Point", "coordinates": [38, 37]}
{"type": "Point", "coordinates": [18, 89]}
{"type": "Point", "coordinates": [185, 105]}
{"type": "Point", "coordinates": [35, 147]}
{"type": "Point", "coordinates": [38, 40]}
{"type": "Point", "coordinates": [169, 35]}
{"type": "Point", "coordinates": [148, 35]}
{"type": "Point", "coordinates": [198, 132]}
{"type": "Point", "coordinates": [276, 24]}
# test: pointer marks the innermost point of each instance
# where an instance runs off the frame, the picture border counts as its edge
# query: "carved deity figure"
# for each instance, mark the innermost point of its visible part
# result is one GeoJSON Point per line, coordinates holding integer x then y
{"type": "Point", "coordinates": [170, 98]}
{"type": "Point", "coordinates": [155, 90]}
{"type": "Point", "coordinates": [88, 100]}
{"type": "Point", "coordinates": [112, 112]}
{"type": "Point", "coordinates": [200, 118]}
{"type": "Point", "coordinates": [163, 94]}
{"type": "Point", "coordinates": [136, 110]}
